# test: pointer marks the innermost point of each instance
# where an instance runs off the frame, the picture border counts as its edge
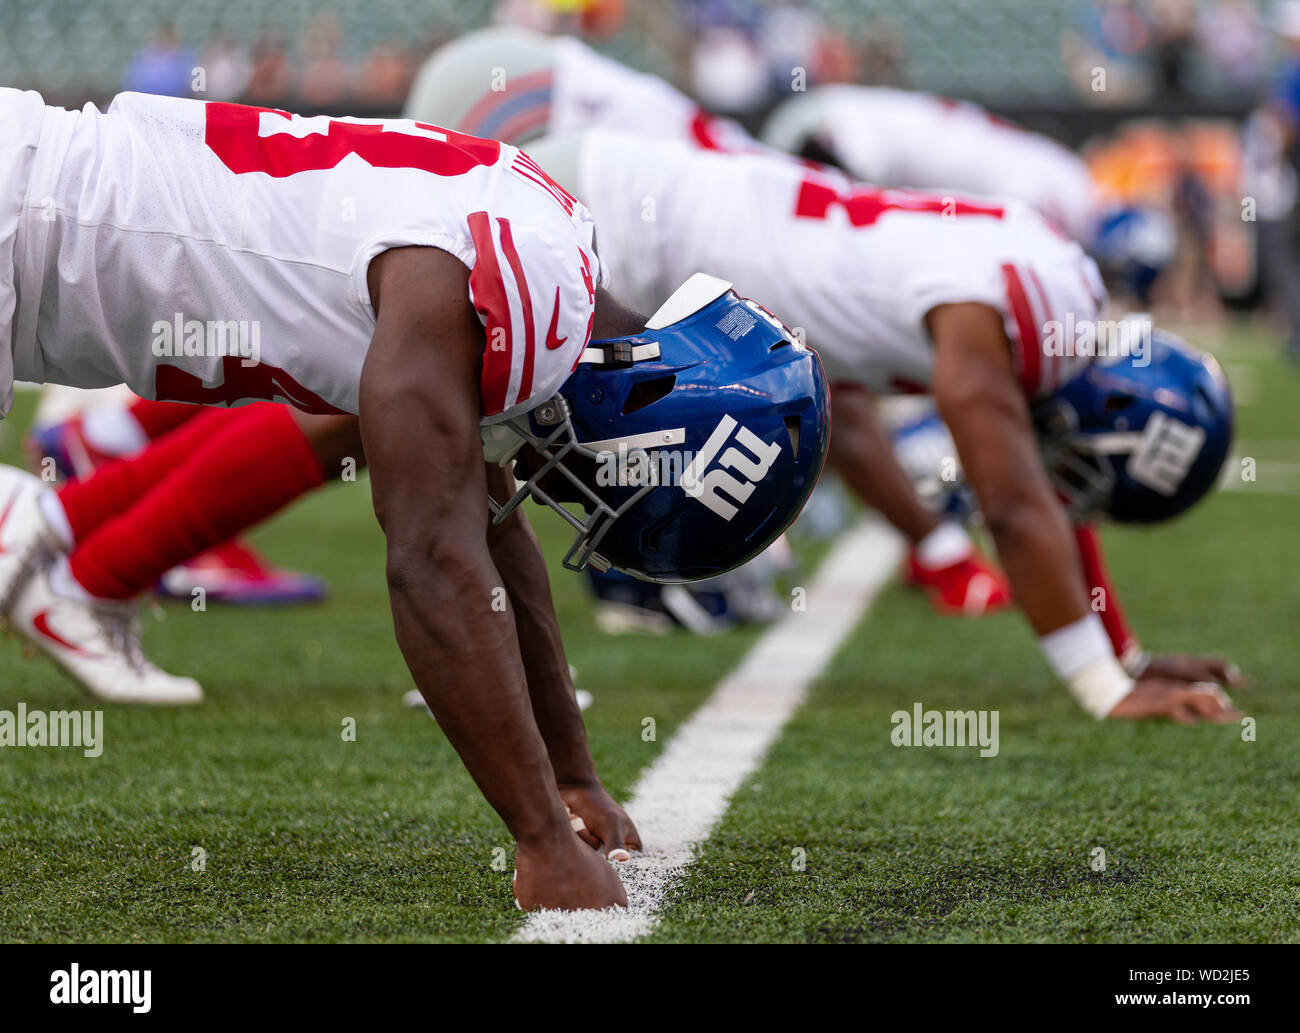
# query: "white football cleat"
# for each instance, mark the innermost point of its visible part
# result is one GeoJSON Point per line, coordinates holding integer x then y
{"type": "Point", "coordinates": [97, 642]}
{"type": "Point", "coordinates": [26, 541]}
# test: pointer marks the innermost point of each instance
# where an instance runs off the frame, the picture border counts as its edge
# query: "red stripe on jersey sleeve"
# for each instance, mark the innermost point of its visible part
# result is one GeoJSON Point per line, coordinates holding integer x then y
{"type": "Point", "coordinates": [1028, 350]}
{"type": "Point", "coordinates": [488, 292]}
{"type": "Point", "coordinates": [526, 303]}
{"type": "Point", "coordinates": [1050, 380]}
{"type": "Point", "coordinates": [704, 131]}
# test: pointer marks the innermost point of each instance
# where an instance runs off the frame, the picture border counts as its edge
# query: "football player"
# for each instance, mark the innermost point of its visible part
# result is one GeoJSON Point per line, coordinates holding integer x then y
{"type": "Point", "coordinates": [520, 85]}
{"type": "Point", "coordinates": [903, 138]}
{"type": "Point", "coordinates": [984, 304]}
{"type": "Point", "coordinates": [442, 288]}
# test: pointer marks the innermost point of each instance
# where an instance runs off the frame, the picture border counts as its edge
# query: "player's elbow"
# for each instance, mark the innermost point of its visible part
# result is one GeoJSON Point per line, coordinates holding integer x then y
{"type": "Point", "coordinates": [1018, 514]}
{"type": "Point", "coordinates": [1008, 524]}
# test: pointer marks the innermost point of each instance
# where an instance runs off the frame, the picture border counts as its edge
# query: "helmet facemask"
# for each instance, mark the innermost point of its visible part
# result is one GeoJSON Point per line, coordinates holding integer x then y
{"type": "Point", "coordinates": [1084, 479]}
{"type": "Point", "coordinates": [546, 458]}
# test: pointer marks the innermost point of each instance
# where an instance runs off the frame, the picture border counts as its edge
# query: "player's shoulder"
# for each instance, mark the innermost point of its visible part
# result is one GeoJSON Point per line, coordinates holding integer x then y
{"type": "Point", "coordinates": [130, 104]}
{"type": "Point", "coordinates": [533, 281]}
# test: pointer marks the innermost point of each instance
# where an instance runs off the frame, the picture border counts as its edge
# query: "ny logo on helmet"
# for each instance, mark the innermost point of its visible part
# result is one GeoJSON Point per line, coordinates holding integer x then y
{"type": "Point", "coordinates": [751, 466]}
{"type": "Point", "coordinates": [1165, 453]}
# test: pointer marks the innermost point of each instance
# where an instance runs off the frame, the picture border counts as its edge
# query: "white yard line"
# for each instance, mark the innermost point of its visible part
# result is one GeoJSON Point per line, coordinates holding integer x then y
{"type": "Point", "coordinates": [1276, 468]}
{"type": "Point", "coordinates": [684, 793]}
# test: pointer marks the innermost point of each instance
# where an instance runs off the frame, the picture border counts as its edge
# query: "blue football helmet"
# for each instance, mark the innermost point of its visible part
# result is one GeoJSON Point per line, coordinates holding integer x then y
{"type": "Point", "coordinates": [1141, 437]}
{"type": "Point", "coordinates": [923, 445]}
{"type": "Point", "coordinates": [689, 447]}
{"type": "Point", "coordinates": [1133, 245]}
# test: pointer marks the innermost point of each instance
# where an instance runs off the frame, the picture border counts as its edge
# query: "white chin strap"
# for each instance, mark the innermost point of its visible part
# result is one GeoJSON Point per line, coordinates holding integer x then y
{"type": "Point", "coordinates": [619, 353]}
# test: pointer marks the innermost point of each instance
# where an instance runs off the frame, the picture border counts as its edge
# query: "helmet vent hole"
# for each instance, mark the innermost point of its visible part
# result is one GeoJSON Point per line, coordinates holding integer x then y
{"type": "Point", "coordinates": [792, 428]}
{"type": "Point", "coordinates": [647, 392]}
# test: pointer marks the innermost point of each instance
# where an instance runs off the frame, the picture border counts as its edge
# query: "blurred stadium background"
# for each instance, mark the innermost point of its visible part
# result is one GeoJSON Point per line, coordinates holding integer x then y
{"type": "Point", "coordinates": [999, 51]}
{"type": "Point", "coordinates": [996, 50]}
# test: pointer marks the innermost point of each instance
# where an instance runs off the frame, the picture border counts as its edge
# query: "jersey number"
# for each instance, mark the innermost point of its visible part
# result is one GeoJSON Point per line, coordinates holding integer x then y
{"type": "Point", "coordinates": [865, 206]}
{"type": "Point", "coordinates": [279, 144]}
{"type": "Point", "coordinates": [239, 383]}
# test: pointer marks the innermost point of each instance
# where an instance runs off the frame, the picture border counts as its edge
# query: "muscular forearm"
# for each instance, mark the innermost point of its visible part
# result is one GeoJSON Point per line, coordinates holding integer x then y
{"type": "Point", "coordinates": [1036, 546]}
{"type": "Point", "coordinates": [981, 400]}
{"type": "Point", "coordinates": [519, 559]}
{"type": "Point", "coordinates": [464, 657]}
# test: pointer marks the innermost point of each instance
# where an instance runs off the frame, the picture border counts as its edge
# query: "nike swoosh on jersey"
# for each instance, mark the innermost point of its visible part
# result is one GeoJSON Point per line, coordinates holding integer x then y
{"type": "Point", "coordinates": [552, 341]}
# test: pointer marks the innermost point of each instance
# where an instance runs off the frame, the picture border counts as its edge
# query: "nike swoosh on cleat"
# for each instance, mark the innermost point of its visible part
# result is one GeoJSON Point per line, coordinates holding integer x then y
{"type": "Point", "coordinates": [41, 622]}
{"type": "Point", "coordinates": [552, 341]}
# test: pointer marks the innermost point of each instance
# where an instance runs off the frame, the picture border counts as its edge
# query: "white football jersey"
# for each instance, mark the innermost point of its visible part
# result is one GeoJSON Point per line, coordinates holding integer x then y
{"type": "Point", "coordinates": [856, 268]}
{"type": "Point", "coordinates": [900, 138]}
{"type": "Point", "coordinates": [218, 253]}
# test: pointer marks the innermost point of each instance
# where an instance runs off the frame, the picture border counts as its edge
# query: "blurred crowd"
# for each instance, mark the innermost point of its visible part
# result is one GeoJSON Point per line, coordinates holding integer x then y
{"type": "Point", "coordinates": [737, 55]}
{"type": "Point", "coordinates": [1167, 48]}
{"type": "Point", "coordinates": [314, 72]}
{"type": "Point", "coordinates": [744, 56]}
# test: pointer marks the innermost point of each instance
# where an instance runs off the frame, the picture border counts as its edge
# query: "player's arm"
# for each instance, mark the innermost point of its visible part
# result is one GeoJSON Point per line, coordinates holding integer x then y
{"type": "Point", "coordinates": [518, 557]}
{"type": "Point", "coordinates": [862, 454]}
{"type": "Point", "coordinates": [1124, 641]}
{"type": "Point", "coordinates": [983, 405]}
{"type": "Point", "coordinates": [419, 409]}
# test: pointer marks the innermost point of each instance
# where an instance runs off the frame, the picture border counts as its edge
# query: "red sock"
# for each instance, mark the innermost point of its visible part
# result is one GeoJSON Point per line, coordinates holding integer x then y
{"type": "Point", "coordinates": [251, 466]}
{"type": "Point", "coordinates": [114, 487]}
{"type": "Point", "coordinates": [157, 418]}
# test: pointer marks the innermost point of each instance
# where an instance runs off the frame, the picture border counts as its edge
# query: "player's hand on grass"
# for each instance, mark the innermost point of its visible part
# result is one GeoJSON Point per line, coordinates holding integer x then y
{"type": "Point", "coordinates": [599, 821]}
{"type": "Point", "coordinates": [1186, 668]}
{"type": "Point", "coordinates": [565, 876]}
{"type": "Point", "coordinates": [1179, 701]}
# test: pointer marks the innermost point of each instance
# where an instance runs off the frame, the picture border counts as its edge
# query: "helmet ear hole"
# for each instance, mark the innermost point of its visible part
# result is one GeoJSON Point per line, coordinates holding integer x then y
{"type": "Point", "coordinates": [792, 428]}
{"type": "Point", "coordinates": [647, 392]}
{"type": "Point", "coordinates": [1118, 403]}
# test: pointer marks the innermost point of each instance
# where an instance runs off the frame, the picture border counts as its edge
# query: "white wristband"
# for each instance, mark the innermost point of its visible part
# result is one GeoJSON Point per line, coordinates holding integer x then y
{"type": "Point", "coordinates": [1080, 654]}
{"type": "Point", "coordinates": [1100, 686]}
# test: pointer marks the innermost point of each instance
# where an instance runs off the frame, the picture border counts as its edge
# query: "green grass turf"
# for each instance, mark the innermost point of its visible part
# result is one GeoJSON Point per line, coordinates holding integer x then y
{"type": "Point", "coordinates": [1198, 827]}
{"type": "Point", "coordinates": [308, 837]}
